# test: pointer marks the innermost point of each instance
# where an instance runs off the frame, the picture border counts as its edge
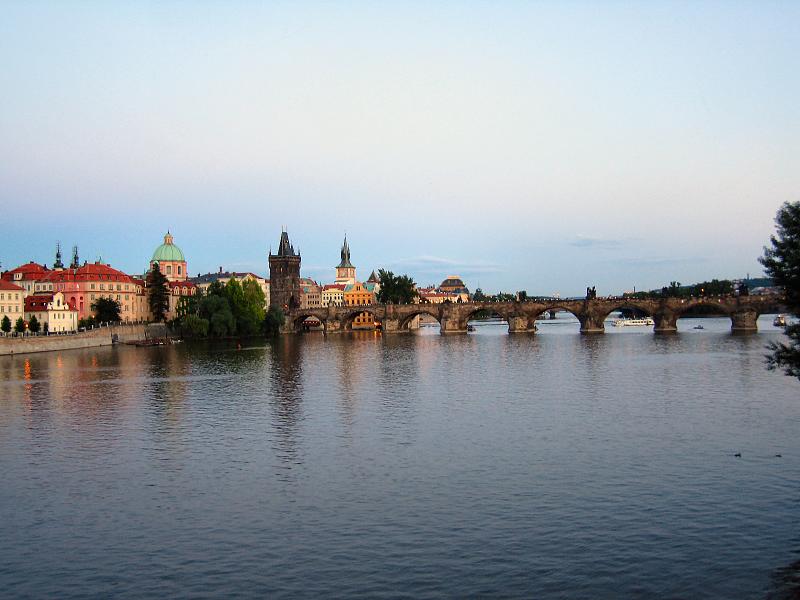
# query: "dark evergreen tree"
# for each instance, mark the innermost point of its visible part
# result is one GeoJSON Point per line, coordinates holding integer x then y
{"type": "Point", "coordinates": [19, 326]}
{"type": "Point", "coordinates": [158, 293]}
{"type": "Point", "coordinates": [5, 325]}
{"type": "Point", "coordinates": [34, 325]}
{"type": "Point", "coordinates": [782, 263]}
{"type": "Point", "coordinates": [107, 310]}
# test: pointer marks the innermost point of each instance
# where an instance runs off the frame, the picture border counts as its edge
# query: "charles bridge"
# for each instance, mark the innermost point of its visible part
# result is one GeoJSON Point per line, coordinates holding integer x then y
{"type": "Point", "coordinates": [591, 312]}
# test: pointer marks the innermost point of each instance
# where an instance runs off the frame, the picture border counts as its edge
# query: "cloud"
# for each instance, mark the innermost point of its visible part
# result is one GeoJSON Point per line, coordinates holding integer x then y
{"type": "Point", "coordinates": [656, 261]}
{"type": "Point", "coordinates": [585, 241]}
{"type": "Point", "coordinates": [437, 265]}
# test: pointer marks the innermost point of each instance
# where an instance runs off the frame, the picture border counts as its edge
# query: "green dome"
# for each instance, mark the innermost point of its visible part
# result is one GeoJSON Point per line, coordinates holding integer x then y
{"type": "Point", "coordinates": [168, 251]}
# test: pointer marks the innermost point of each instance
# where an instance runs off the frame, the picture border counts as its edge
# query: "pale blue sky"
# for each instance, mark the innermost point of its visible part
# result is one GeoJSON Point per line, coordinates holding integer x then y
{"type": "Point", "coordinates": [532, 145]}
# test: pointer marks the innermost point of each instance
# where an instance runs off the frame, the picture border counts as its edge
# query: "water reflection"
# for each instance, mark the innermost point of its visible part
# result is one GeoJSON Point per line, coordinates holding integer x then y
{"type": "Point", "coordinates": [427, 465]}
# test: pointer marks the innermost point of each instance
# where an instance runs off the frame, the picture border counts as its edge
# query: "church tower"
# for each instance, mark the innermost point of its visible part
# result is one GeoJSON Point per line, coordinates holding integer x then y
{"type": "Point", "coordinates": [284, 275]}
{"type": "Point", "coordinates": [345, 271]}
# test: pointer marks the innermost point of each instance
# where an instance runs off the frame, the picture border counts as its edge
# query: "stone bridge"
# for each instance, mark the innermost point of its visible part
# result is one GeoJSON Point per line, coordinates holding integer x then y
{"type": "Point", "coordinates": [743, 312]}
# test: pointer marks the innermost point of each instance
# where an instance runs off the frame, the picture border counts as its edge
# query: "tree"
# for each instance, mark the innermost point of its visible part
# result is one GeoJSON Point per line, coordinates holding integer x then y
{"type": "Point", "coordinates": [19, 326]}
{"type": "Point", "coordinates": [396, 289]}
{"type": "Point", "coordinates": [158, 293]}
{"type": "Point", "coordinates": [479, 296]}
{"type": "Point", "coordinates": [33, 325]}
{"type": "Point", "coordinates": [782, 263]}
{"type": "Point", "coordinates": [216, 310]}
{"type": "Point", "coordinates": [273, 321]}
{"type": "Point", "coordinates": [5, 325]}
{"type": "Point", "coordinates": [254, 303]}
{"type": "Point", "coordinates": [107, 310]}
{"type": "Point", "coordinates": [194, 326]}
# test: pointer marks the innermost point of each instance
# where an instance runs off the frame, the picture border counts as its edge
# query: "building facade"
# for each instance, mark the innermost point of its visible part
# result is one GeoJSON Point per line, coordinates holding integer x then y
{"type": "Point", "coordinates": [12, 301]}
{"type": "Point", "coordinates": [52, 311]}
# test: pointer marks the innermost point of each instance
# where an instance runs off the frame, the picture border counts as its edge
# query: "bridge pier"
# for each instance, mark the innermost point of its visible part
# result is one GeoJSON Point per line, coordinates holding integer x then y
{"type": "Point", "coordinates": [590, 324]}
{"type": "Point", "coordinates": [521, 324]}
{"type": "Point", "coordinates": [452, 325]}
{"type": "Point", "coordinates": [391, 326]}
{"type": "Point", "coordinates": [744, 321]}
{"type": "Point", "coordinates": [665, 322]}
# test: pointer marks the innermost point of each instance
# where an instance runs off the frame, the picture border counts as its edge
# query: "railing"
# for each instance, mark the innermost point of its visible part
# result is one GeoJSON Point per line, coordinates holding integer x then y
{"type": "Point", "coordinates": [104, 324]}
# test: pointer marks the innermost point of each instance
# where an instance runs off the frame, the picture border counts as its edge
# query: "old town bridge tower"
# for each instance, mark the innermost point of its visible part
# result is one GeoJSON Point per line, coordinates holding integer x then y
{"type": "Point", "coordinates": [284, 275]}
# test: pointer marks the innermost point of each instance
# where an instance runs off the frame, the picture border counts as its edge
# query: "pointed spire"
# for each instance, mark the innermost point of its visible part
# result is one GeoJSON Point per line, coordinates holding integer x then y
{"type": "Point", "coordinates": [58, 264]}
{"type": "Point", "coordinates": [345, 255]}
{"type": "Point", "coordinates": [76, 263]}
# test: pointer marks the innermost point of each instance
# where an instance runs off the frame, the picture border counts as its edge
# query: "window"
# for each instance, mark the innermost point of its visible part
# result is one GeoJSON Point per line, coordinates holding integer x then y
{"type": "Point", "coordinates": [91, 286]}
{"type": "Point", "coordinates": [179, 270]}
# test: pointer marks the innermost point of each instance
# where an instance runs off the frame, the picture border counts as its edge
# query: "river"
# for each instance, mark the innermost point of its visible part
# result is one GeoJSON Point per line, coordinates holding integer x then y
{"type": "Point", "coordinates": [552, 465]}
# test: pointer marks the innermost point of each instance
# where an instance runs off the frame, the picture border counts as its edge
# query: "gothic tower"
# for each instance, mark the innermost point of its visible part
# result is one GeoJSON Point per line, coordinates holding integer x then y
{"type": "Point", "coordinates": [284, 275]}
{"type": "Point", "coordinates": [345, 271]}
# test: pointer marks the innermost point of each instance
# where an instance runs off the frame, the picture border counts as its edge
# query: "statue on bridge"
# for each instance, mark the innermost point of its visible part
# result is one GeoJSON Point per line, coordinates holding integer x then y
{"type": "Point", "coordinates": [591, 292]}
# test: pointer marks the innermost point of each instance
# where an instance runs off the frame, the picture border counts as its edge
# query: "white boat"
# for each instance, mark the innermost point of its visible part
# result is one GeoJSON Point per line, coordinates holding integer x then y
{"type": "Point", "coordinates": [643, 322]}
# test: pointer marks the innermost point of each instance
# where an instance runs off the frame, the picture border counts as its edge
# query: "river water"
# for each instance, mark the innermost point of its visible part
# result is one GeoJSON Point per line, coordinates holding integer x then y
{"type": "Point", "coordinates": [552, 465]}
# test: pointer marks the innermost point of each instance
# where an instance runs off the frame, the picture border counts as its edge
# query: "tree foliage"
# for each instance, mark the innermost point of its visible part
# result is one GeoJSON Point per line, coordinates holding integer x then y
{"type": "Point", "coordinates": [396, 289]}
{"type": "Point", "coordinates": [273, 321]}
{"type": "Point", "coordinates": [782, 262]}
{"type": "Point", "coordinates": [157, 293]}
{"type": "Point", "coordinates": [5, 325]}
{"type": "Point", "coordinates": [107, 310]}
{"type": "Point", "coordinates": [19, 326]}
{"type": "Point", "coordinates": [34, 325]}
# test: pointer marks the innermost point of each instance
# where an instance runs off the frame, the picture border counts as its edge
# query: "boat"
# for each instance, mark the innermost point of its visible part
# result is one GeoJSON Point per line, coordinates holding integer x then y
{"type": "Point", "coordinates": [698, 327]}
{"type": "Point", "coordinates": [470, 328]}
{"type": "Point", "coordinates": [642, 322]}
{"type": "Point", "coordinates": [780, 321]}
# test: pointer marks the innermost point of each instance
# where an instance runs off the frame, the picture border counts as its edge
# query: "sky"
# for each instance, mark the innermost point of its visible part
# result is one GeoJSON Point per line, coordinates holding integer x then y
{"type": "Point", "coordinates": [538, 146]}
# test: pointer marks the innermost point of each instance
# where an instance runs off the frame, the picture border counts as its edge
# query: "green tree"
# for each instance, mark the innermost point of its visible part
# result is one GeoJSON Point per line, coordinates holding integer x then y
{"type": "Point", "coordinates": [193, 326]}
{"type": "Point", "coordinates": [34, 325]}
{"type": "Point", "coordinates": [396, 289]}
{"type": "Point", "coordinates": [5, 325]}
{"type": "Point", "coordinates": [107, 310]}
{"type": "Point", "coordinates": [273, 321]}
{"type": "Point", "coordinates": [782, 262]}
{"type": "Point", "coordinates": [254, 302]}
{"type": "Point", "coordinates": [158, 293]}
{"type": "Point", "coordinates": [479, 296]}
{"type": "Point", "coordinates": [216, 310]}
{"type": "Point", "coordinates": [19, 326]}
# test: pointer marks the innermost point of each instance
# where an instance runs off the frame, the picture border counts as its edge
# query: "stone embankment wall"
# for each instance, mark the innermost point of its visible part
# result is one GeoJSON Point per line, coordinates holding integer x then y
{"type": "Point", "coordinates": [104, 336]}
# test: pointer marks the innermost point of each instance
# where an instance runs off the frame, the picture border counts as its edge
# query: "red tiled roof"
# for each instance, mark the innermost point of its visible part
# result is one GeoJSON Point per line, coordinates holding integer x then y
{"type": "Point", "coordinates": [30, 270]}
{"type": "Point", "coordinates": [180, 284]}
{"type": "Point", "coordinates": [9, 287]}
{"type": "Point", "coordinates": [89, 272]}
{"type": "Point", "coordinates": [36, 303]}
{"type": "Point", "coordinates": [334, 286]}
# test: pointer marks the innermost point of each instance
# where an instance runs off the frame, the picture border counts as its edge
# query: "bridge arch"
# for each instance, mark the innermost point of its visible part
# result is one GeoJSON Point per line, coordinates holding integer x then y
{"type": "Point", "coordinates": [423, 309]}
{"type": "Point", "coordinates": [300, 321]}
{"type": "Point", "coordinates": [351, 318]}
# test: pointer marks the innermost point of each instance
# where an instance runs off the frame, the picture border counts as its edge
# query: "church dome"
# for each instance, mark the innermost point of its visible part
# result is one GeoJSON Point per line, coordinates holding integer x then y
{"type": "Point", "coordinates": [168, 251]}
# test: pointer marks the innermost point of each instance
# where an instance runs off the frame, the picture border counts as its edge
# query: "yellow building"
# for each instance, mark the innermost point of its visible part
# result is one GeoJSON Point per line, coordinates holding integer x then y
{"type": "Point", "coordinates": [357, 294]}
{"type": "Point", "coordinates": [52, 311]}
{"type": "Point", "coordinates": [12, 301]}
{"type": "Point", "coordinates": [333, 294]}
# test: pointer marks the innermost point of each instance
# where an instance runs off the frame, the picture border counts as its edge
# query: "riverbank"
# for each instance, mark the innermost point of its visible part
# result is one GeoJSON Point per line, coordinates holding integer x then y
{"type": "Point", "coordinates": [102, 336]}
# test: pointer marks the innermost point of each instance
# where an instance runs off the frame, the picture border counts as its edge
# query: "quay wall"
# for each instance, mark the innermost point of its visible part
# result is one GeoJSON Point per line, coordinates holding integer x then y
{"type": "Point", "coordinates": [103, 336]}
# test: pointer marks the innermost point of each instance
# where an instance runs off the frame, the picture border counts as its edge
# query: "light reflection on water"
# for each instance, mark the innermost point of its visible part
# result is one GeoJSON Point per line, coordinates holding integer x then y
{"type": "Point", "coordinates": [422, 465]}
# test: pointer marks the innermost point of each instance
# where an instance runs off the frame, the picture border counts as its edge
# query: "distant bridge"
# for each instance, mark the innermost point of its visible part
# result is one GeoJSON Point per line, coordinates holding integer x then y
{"type": "Point", "coordinates": [743, 312]}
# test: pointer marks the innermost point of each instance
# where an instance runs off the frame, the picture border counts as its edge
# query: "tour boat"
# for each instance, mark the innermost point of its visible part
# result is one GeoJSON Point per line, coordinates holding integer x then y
{"type": "Point", "coordinates": [643, 322]}
{"type": "Point", "coordinates": [780, 321]}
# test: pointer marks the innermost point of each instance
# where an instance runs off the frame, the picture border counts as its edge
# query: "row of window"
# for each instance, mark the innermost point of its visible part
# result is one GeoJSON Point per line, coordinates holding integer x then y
{"type": "Point", "coordinates": [3, 296]}
{"type": "Point", "coordinates": [11, 308]}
